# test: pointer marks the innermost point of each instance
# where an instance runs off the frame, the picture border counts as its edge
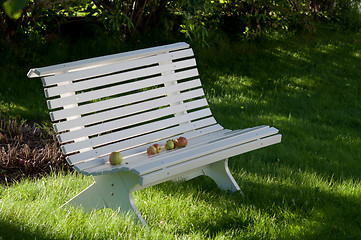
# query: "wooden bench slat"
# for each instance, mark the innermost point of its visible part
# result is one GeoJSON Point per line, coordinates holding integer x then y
{"type": "Point", "coordinates": [197, 150]}
{"type": "Point", "coordinates": [130, 120]}
{"type": "Point", "coordinates": [193, 141]}
{"type": "Point", "coordinates": [104, 60]}
{"type": "Point", "coordinates": [122, 100]}
{"type": "Point", "coordinates": [136, 131]}
{"type": "Point", "coordinates": [130, 162]}
{"type": "Point", "coordinates": [181, 169]}
{"type": "Point", "coordinates": [92, 167]}
{"type": "Point", "coordinates": [196, 138]}
{"type": "Point", "coordinates": [143, 63]}
{"type": "Point", "coordinates": [129, 107]}
{"type": "Point", "coordinates": [151, 127]}
{"type": "Point", "coordinates": [114, 78]}
{"type": "Point", "coordinates": [93, 142]}
{"type": "Point", "coordinates": [195, 130]}
{"type": "Point", "coordinates": [182, 53]}
{"type": "Point", "coordinates": [101, 166]}
{"type": "Point", "coordinates": [213, 141]}
{"type": "Point", "coordinates": [104, 70]}
{"type": "Point", "coordinates": [99, 93]}
{"type": "Point", "coordinates": [78, 86]}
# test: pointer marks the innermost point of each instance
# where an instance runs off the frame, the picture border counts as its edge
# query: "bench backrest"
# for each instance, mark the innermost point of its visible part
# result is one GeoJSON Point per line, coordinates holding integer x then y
{"type": "Point", "coordinates": [123, 101]}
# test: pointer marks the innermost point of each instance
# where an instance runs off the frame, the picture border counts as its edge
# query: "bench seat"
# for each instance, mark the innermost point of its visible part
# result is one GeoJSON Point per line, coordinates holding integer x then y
{"type": "Point", "coordinates": [168, 164]}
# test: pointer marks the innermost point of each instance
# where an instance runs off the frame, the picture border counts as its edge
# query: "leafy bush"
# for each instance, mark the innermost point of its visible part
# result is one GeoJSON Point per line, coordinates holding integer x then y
{"type": "Point", "coordinates": [194, 19]}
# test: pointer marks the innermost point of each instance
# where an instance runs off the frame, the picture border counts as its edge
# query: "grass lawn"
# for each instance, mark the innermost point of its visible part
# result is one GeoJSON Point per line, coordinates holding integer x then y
{"type": "Point", "coordinates": [307, 187]}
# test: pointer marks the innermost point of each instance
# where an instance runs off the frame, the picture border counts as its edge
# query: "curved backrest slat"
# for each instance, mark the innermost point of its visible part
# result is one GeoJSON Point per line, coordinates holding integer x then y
{"type": "Point", "coordinates": [125, 101]}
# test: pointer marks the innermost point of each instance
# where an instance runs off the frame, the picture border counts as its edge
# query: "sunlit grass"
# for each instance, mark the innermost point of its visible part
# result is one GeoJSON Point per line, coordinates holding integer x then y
{"type": "Point", "coordinates": [282, 203]}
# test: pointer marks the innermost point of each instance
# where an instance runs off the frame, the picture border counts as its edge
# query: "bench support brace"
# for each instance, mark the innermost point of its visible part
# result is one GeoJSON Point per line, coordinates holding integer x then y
{"type": "Point", "coordinates": [112, 191]}
{"type": "Point", "coordinates": [220, 173]}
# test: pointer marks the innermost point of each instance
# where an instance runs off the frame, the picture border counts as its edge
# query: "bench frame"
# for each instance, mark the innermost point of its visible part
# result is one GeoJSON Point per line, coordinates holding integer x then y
{"type": "Point", "coordinates": [115, 190]}
{"type": "Point", "coordinates": [67, 87]}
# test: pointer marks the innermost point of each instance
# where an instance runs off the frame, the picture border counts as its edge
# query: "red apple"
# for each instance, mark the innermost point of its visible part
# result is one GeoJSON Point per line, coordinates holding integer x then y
{"type": "Point", "coordinates": [151, 150]}
{"type": "Point", "coordinates": [158, 147]}
{"type": "Point", "coordinates": [180, 142]}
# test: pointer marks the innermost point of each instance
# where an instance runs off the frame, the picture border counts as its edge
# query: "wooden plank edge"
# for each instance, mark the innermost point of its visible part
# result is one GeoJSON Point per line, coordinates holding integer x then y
{"type": "Point", "coordinates": [59, 68]}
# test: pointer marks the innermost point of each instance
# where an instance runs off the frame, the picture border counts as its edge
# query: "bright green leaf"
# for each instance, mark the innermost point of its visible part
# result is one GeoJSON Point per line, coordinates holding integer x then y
{"type": "Point", "coordinates": [14, 8]}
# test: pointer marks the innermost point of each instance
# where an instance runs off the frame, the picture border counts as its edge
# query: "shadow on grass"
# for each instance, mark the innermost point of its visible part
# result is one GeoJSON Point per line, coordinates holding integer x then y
{"type": "Point", "coordinates": [275, 211]}
{"type": "Point", "coordinates": [11, 231]}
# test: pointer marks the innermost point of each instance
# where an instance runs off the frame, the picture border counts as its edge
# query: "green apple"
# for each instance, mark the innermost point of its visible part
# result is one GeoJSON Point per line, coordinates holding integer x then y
{"type": "Point", "coordinates": [169, 144]}
{"type": "Point", "coordinates": [115, 158]}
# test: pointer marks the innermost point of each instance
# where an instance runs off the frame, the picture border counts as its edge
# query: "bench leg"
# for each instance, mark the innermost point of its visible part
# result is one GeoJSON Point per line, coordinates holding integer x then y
{"type": "Point", "coordinates": [112, 191]}
{"type": "Point", "coordinates": [220, 173]}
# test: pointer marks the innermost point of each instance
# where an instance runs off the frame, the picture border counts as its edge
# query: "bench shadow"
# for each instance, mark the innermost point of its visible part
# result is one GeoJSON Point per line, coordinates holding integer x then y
{"type": "Point", "coordinates": [305, 204]}
{"type": "Point", "coordinates": [12, 231]}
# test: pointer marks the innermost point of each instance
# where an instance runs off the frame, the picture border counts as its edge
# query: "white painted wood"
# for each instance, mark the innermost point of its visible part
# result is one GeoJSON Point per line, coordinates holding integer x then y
{"type": "Point", "coordinates": [143, 67]}
{"type": "Point", "coordinates": [117, 77]}
{"type": "Point", "coordinates": [124, 134]}
{"type": "Point", "coordinates": [107, 69]}
{"type": "Point", "coordinates": [122, 100]}
{"type": "Point", "coordinates": [137, 154]}
{"type": "Point", "coordinates": [110, 191]}
{"type": "Point", "coordinates": [102, 80]}
{"type": "Point", "coordinates": [105, 92]}
{"type": "Point", "coordinates": [178, 170]}
{"type": "Point", "coordinates": [129, 121]}
{"type": "Point", "coordinates": [132, 133]}
{"type": "Point", "coordinates": [220, 173]}
{"type": "Point", "coordinates": [195, 139]}
{"type": "Point", "coordinates": [142, 159]}
{"type": "Point", "coordinates": [133, 140]}
{"type": "Point", "coordinates": [180, 54]}
{"type": "Point", "coordinates": [213, 145]}
{"type": "Point", "coordinates": [156, 101]}
{"type": "Point", "coordinates": [104, 60]}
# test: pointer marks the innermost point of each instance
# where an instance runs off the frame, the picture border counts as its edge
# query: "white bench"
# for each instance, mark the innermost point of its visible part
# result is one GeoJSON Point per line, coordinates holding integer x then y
{"type": "Point", "coordinates": [126, 102]}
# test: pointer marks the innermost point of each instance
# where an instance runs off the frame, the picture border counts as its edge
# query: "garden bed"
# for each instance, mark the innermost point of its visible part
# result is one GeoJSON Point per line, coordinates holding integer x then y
{"type": "Point", "coordinates": [27, 149]}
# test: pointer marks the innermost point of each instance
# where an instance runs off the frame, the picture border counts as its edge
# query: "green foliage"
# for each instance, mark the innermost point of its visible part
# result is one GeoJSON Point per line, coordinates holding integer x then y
{"type": "Point", "coordinates": [14, 8]}
{"type": "Point", "coordinates": [200, 21]}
